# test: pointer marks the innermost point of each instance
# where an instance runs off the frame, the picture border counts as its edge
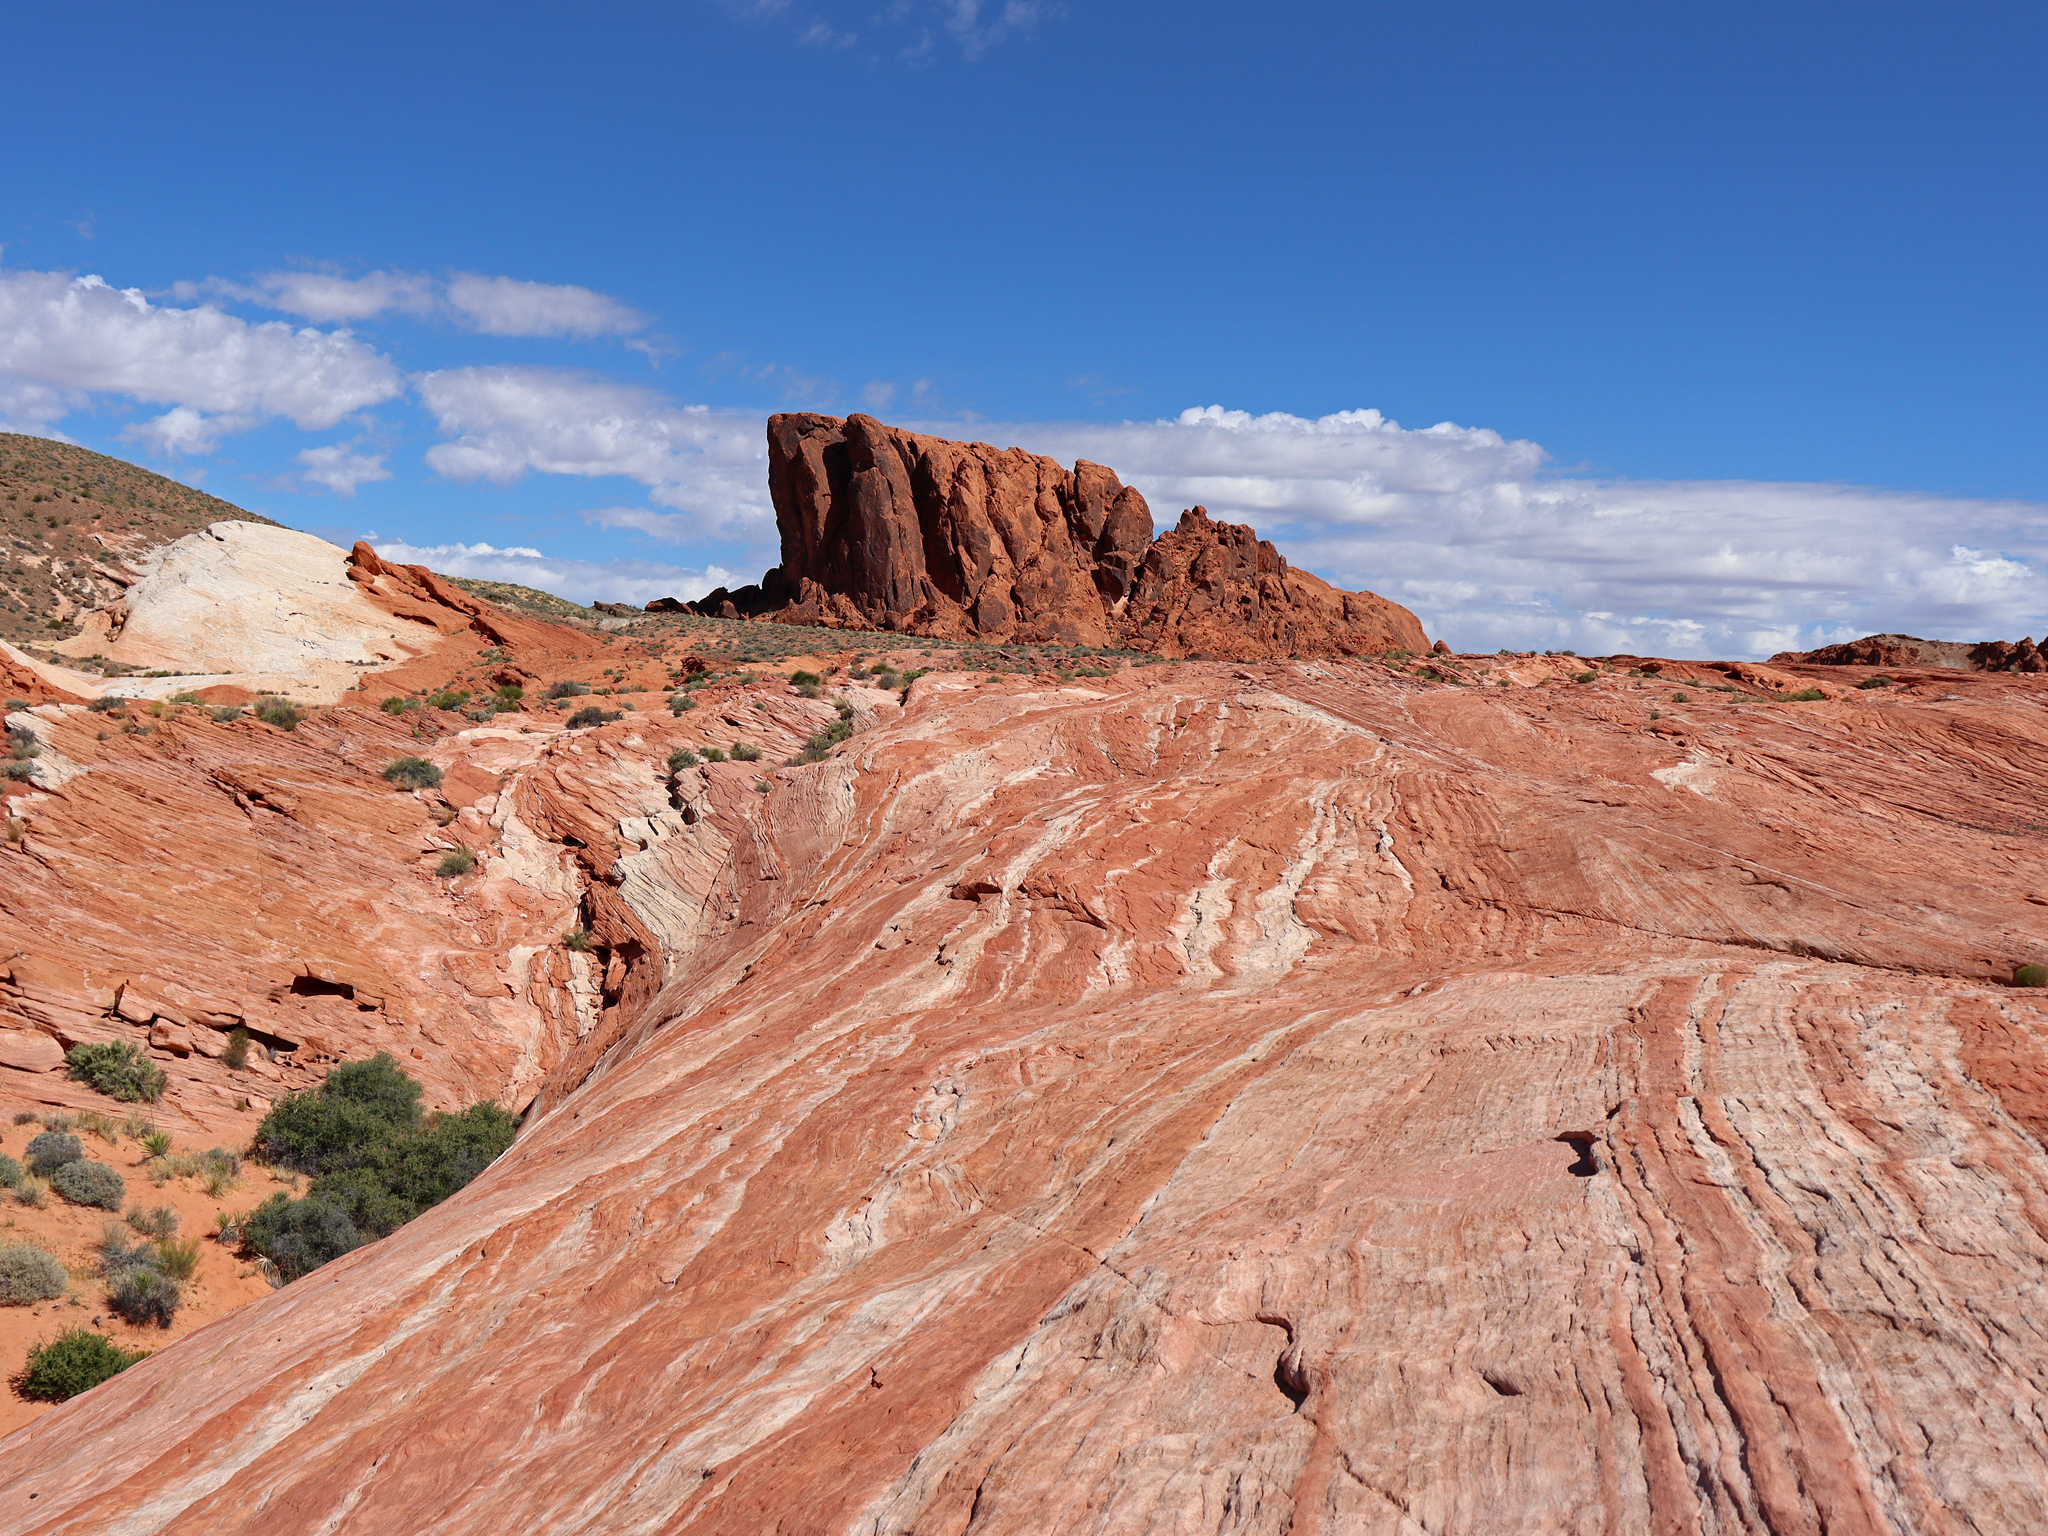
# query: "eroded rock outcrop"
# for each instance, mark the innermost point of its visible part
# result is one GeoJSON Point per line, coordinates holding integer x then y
{"type": "Point", "coordinates": [1288, 1099]}
{"type": "Point", "coordinates": [1911, 651]}
{"type": "Point", "coordinates": [886, 529]}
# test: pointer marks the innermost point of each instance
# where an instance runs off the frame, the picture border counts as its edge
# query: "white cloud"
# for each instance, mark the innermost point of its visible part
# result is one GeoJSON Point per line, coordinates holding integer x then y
{"type": "Point", "coordinates": [64, 340]}
{"type": "Point", "coordinates": [338, 467]}
{"type": "Point", "coordinates": [1468, 529]}
{"type": "Point", "coordinates": [505, 422]}
{"type": "Point", "coordinates": [505, 306]}
{"type": "Point", "coordinates": [323, 296]}
{"type": "Point", "coordinates": [581, 581]}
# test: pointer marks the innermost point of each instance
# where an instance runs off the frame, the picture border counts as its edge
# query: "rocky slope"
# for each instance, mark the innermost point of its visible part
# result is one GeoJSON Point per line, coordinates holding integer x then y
{"type": "Point", "coordinates": [1312, 1097]}
{"type": "Point", "coordinates": [886, 529]}
{"type": "Point", "coordinates": [72, 524]}
{"type": "Point", "coordinates": [1911, 651]}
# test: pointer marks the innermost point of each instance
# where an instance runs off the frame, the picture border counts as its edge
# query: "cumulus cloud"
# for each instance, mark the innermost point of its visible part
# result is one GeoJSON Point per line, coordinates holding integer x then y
{"type": "Point", "coordinates": [341, 469]}
{"type": "Point", "coordinates": [505, 422]}
{"type": "Point", "coordinates": [581, 581]}
{"type": "Point", "coordinates": [64, 340]}
{"type": "Point", "coordinates": [1491, 548]}
{"type": "Point", "coordinates": [505, 306]}
{"type": "Point", "coordinates": [325, 297]}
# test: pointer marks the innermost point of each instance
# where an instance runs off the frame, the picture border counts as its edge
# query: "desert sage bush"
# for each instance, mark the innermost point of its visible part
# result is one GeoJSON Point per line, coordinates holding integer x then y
{"type": "Point", "coordinates": [52, 1150]}
{"type": "Point", "coordinates": [412, 773]}
{"type": "Point", "coordinates": [88, 1183]}
{"type": "Point", "coordinates": [28, 1275]}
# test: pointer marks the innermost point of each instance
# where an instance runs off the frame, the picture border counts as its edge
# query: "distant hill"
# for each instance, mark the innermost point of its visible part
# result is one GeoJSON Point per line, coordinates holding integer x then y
{"type": "Point", "coordinates": [528, 600]}
{"type": "Point", "coordinates": [67, 515]}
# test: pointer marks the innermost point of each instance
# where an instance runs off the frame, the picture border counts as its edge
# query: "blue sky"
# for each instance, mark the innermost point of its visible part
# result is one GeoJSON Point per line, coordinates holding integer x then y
{"type": "Point", "coordinates": [1738, 311]}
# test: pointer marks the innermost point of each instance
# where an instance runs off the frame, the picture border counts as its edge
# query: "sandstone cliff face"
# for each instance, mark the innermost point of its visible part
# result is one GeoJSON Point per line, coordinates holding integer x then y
{"type": "Point", "coordinates": [1294, 1099]}
{"type": "Point", "coordinates": [885, 529]}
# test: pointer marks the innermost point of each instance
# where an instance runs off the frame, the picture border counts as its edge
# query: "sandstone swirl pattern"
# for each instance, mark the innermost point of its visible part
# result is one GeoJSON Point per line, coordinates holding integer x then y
{"type": "Point", "coordinates": [1290, 1100]}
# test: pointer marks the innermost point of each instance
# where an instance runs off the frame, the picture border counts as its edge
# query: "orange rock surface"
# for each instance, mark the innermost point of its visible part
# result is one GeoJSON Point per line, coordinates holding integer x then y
{"type": "Point", "coordinates": [1306, 1097]}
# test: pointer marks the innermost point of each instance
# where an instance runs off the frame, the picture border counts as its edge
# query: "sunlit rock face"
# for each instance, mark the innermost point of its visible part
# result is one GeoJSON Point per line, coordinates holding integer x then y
{"type": "Point", "coordinates": [886, 529]}
{"type": "Point", "coordinates": [1301, 1097]}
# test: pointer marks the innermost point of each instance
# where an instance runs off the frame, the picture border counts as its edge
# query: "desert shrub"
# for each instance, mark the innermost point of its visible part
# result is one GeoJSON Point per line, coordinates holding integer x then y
{"type": "Point", "coordinates": [681, 758]}
{"type": "Point", "coordinates": [29, 1275]}
{"type": "Point", "coordinates": [359, 1104]}
{"type": "Point", "coordinates": [52, 1150]}
{"type": "Point", "coordinates": [145, 1295]}
{"type": "Point", "coordinates": [10, 1172]}
{"type": "Point", "coordinates": [118, 1069]}
{"type": "Point", "coordinates": [32, 1191]}
{"type": "Point", "coordinates": [397, 704]}
{"type": "Point", "coordinates": [588, 716]}
{"type": "Point", "coordinates": [156, 1143]}
{"type": "Point", "coordinates": [742, 753]}
{"type": "Point", "coordinates": [582, 940]}
{"type": "Point", "coordinates": [2030, 976]}
{"type": "Point", "coordinates": [803, 679]}
{"type": "Point", "coordinates": [1681, 698]}
{"type": "Point", "coordinates": [510, 696]}
{"type": "Point", "coordinates": [158, 1221]}
{"type": "Point", "coordinates": [107, 703]}
{"type": "Point", "coordinates": [22, 743]}
{"type": "Point", "coordinates": [448, 698]}
{"type": "Point", "coordinates": [227, 714]}
{"type": "Point", "coordinates": [89, 1183]}
{"type": "Point", "coordinates": [76, 1360]}
{"type": "Point", "coordinates": [282, 713]}
{"type": "Point", "coordinates": [568, 690]}
{"type": "Point", "coordinates": [237, 1054]}
{"type": "Point", "coordinates": [456, 861]}
{"type": "Point", "coordinates": [177, 1259]}
{"type": "Point", "coordinates": [412, 773]}
{"type": "Point", "coordinates": [24, 1117]}
{"type": "Point", "coordinates": [1875, 682]}
{"type": "Point", "coordinates": [1805, 696]}
{"type": "Point", "coordinates": [376, 1163]}
{"type": "Point", "coordinates": [681, 702]}
{"type": "Point", "coordinates": [889, 680]}
{"type": "Point", "coordinates": [16, 704]}
{"type": "Point", "coordinates": [713, 755]}
{"type": "Point", "coordinates": [1583, 677]}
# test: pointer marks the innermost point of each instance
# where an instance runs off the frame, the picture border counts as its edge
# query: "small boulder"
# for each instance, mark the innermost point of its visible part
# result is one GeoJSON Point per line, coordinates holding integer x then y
{"type": "Point", "coordinates": [29, 1051]}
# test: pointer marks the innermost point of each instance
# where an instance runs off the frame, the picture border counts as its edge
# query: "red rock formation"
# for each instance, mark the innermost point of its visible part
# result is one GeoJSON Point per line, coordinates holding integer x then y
{"type": "Point", "coordinates": [1909, 651]}
{"type": "Point", "coordinates": [885, 529]}
{"type": "Point", "coordinates": [1283, 1099]}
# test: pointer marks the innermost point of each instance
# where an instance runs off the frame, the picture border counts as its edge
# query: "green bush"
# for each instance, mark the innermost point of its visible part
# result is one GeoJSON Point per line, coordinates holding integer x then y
{"type": "Point", "coordinates": [2030, 976]}
{"type": "Point", "coordinates": [713, 755]}
{"type": "Point", "coordinates": [681, 702]}
{"type": "Point", "coordinates": [227, 714]}
{"type": "Point", "coordinates": [118, 1069]}
{"type": "Point", "coordinates": [1805, 696]}
{"type": "Point", "coordinates": [456, 861]}
{"type": "Point", "coordinates": [28, 1275]}
{"type": "Point", "coordinates": [146, 1295]}
{"type": "Point", "coordinates": [282, 713]}
{"type": "Point", "coordinates": [376, 1163]}
{"type": "Point", "coordinates": [10, 1172]}
{"type": "Point", "coordinates": [582, 940]}
{"type": "Point", "coordinates": [510, 696]}
{"type": "Point", "coordinates": [52, 1150]}
{"type": "Point", "coordinates": [1875, 682]}
{"type": "Point", "coordinates": [1681, 698]}
{"type": "Point", "coordinates": [448, 698]}
{"type": "Point", "coordinates": [742, 753]}
{"type": "Point", "coordinates": [681, 758]}
{"type": "Point", "coordinates": [412, 773]}
{"type": "Point", "coordinates": [397, 704]}
{"type": "Point", "coordinates": [88, 1183]}
{"type": "Point", "coordinates": [76, 1360]}
{"type": "Point", "coordinates": [237, 1054]}
{"type": "Point", "coordinates": [590, 715]}
{"type": "Point", "coordinates": [176, 1259]}
{"type": "Point", "coordinates": [106, 703]}
{"type": "Point", "coordinates": [568, 690]}
{"type": "Point", "coordinates": [1583, 677]}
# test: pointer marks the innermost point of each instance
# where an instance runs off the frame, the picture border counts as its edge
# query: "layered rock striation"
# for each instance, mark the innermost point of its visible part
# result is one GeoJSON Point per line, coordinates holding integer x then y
{"type": "Point", "coordinates": [886, 529]}
{"type": "Point", "coordinates": [1304, 1098]}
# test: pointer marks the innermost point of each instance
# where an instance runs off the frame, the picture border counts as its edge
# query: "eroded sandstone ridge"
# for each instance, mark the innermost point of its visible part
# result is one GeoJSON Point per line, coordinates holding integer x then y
{"type": "Point", "coordinates": [886, 529]}
{"type": "Point", "coordinates": [1300, 1098]}
{"type": "Point", "coordinates": [1911, 651]}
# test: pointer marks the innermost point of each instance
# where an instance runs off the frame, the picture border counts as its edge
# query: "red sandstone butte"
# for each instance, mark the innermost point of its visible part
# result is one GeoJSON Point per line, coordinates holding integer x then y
{"type": "Point", "coordinates": [1296, 1098]}
{"type": "Point", "coordinates": [886, 529]}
